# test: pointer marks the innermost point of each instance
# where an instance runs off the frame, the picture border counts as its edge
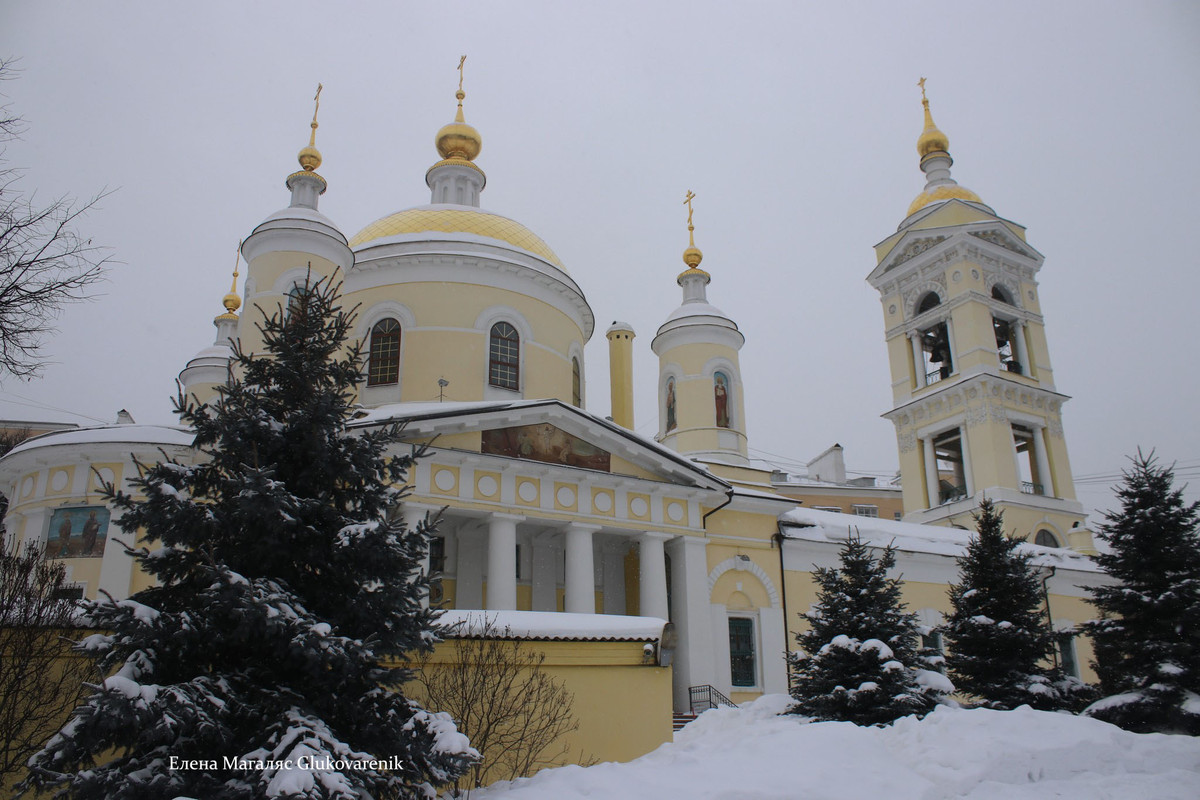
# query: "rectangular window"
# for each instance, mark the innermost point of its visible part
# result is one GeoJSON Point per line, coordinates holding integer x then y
{"type": "Point", "coordinates": [741, 651]}
{"type": "Point", "coordinates": [898, 516]}
{"type": "Point", "coordinates": [1066, 654]}
{"type": "Point", "coordinates": [834, 509]}
{"type": "Point", "coordinates": [866, 511]}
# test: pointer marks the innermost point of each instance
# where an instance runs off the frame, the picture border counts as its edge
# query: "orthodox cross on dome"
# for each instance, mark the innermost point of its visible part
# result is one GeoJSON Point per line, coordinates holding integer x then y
{"type": "Point", "coordinates": [312, 139]}
{"type": "Point", "coordinates": [461, 61]}
{"type": "Point", "coordinates": [691, 228]}
{"type": "Point", "coordinates": [921, 83]}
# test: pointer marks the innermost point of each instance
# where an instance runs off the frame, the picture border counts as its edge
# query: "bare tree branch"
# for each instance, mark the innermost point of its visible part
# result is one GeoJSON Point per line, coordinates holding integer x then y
{"type": "Point", "coordinates": [41, 676]}
{"type": "Point", "coordinates": [514, 713]}
{"type": "Point", "coordinates": [44, 262]}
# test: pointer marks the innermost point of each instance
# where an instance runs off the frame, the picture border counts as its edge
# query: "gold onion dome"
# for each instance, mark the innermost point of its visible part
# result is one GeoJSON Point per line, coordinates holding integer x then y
{"type": "Point", "coordinates": [233, 301]}
{"type": "Point", "coordinates": [692, 255]}
{"type": "Point", "coordinates": [932, 140]}
{"type": "Point", "coordinates": [458, 139]}
{"type": "Point", "coordinates": [309, 156]}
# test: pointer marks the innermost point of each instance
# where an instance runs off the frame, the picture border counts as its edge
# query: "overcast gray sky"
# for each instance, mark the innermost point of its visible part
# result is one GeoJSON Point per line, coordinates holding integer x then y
{"type": "Point", "coordinates": [794, 123]}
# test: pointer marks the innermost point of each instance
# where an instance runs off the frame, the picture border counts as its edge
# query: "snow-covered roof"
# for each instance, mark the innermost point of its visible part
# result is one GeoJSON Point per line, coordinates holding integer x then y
{"type": "Point", "coordinates": [552, 626]}
{"type": "Point", "coordinates": [165, 435]}
{"type": "Point", "coordinates": [829, 526]}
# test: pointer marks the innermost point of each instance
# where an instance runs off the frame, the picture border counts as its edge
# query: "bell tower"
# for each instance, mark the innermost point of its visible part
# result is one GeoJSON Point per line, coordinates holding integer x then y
{"type": "Point", "coordinates": [973, 396]}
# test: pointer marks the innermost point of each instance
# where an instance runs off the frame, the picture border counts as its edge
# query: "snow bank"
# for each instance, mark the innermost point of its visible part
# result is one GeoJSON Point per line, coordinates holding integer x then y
{"type": "Point", "coordinates": [752, 754]}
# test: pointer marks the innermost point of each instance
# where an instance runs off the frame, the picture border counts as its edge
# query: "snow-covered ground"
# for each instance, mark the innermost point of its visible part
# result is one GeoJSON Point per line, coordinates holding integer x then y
{"type": "Point", "coordinates": [752, 754]}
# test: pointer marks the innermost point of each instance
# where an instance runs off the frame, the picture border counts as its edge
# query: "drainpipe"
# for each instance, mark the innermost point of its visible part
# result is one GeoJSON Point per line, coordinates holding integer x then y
{"type": "Point", "coordinates": [710, 512]}
{"type": "Point", "coordinates": [1046, 576]}
{"type": "Point", "coordinates": [779, 539]}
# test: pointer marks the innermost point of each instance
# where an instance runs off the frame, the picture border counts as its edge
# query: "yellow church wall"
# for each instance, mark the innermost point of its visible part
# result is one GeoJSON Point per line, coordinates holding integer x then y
{"type": "Point", "coordinates": [913, 487]}
{"type": "Point", "coordinates": [741, 524]}
{"type": "Point", "coordinates": [900, 358]}
{"type": "Point", "coordinates": [888, 505]}
{"type": "Point", "coordinates": [545, 360]}
{"type": "Point", "coordinates": [266, 270]}
{"type": "Point", "coordinates": [621, 704]}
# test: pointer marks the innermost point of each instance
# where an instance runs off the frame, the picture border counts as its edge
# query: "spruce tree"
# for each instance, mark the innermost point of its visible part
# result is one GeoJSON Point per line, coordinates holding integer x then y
{"type": "Point", "coordinates": [858, 661]}
{"type": "Point", "coordinates": [1147, 641]}
{"type": "Point", "coordinates": [259, 666]}
{"type": "Point", "coordinates": [997, 633]}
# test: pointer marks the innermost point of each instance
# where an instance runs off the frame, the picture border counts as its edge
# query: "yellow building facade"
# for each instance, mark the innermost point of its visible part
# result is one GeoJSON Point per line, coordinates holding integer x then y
{"type": "Point", "coordinates": [473, 332]}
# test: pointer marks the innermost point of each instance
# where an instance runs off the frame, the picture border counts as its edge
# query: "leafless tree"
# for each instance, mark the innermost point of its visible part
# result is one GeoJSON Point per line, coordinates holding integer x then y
{"type": "Point", "coordinates": [515, 714]}
{"type": "Point", "coordinates": [41, 677]}
{"type": "Point", "coordinates": [44, 262]}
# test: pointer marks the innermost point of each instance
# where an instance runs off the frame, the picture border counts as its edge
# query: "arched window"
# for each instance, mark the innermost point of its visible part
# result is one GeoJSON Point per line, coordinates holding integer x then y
{"type": "Point", "coordinates": [504, 354]}
{"type": "Point", "coordinates": [930, 300]}
{"type": "Point", "coordinates": [576, 384]}
{"type": "Point", "coordinates": [297, 299]}
{"type": "Point", "coordinates": [999, 293]}
{"type": "Point", "coordinates": [721, 398]}
{"type": "Point", "coordinates": [1045, 538]}
{"type": "Point", "coordinates": [383, 360]}
{"type": "Point", "coordinates": [933, 346]}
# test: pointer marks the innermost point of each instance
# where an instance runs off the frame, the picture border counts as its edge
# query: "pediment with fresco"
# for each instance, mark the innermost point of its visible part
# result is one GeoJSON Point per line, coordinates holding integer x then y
{"type": "Point", "coordinates": [546, 443]}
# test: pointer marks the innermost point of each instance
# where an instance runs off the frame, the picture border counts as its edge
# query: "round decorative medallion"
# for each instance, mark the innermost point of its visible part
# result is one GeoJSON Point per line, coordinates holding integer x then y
{"type": "Point", "coordinates": [975, 274]}
{"type": "Point", "coordinates": [638, 506]}
{"type": "Point", "coordinates": [487, 486]}
{"type": "Point", "coordinates": [892, 308]}
{"type": "Point", "coordinates": [675, 511]}
{"type": "Point", "coordinates": [106, 476]}
{"type": "Point", "coordinates": [957, 276]}
{"type": "Point", "coordinates": [565, 496]}
{"type": "Point", "coordinates": [443, 479]}
{"type": "Point", "coordinates": [602, 501]}
{"type": "Point", "coordinates": [1031, 295]}
{"type": "Point", "coordinates": [27, 486]}
{"type": "Point", "coordinates": [58, 481]}
{"type": "Point", "coordinates": [527, 491]}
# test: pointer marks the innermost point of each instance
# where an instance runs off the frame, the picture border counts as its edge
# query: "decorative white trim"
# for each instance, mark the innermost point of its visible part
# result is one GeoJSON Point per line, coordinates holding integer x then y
{"type": "Point", "coordinates": [734, 563]}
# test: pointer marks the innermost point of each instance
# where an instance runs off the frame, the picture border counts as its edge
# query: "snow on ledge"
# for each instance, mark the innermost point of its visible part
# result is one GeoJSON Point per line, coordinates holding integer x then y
{"type": "Point", "coordinates": [552, 625]}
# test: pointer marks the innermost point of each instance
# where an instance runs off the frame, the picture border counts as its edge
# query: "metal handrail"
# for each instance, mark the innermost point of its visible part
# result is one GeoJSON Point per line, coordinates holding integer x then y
{"type": "Point", "coordinates": [704, 697]}
{"type": "Point", "coordinates": [1029, 487]}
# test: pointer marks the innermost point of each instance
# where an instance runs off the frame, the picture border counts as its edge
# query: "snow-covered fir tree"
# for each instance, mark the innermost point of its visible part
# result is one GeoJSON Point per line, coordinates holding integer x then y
{"type": "Point", "coordinates": [1147, 641]}
{"type": "Point", "coordinates": [997, 634]}
{"type": "Point", "coordinates": [261, 665]}
{"type": "Point", "coordinates": [858, 660]}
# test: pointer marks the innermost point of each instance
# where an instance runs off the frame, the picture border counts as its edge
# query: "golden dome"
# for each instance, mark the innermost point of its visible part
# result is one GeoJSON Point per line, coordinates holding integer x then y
{"type": "Point", "coordinates": [443, 219]}
{"type": "Point", "coordinates": [231, 302]}
{"type": "Point", "coordinates": [944, 192]}
{"type": "Point", "coordinates": [310, 158]}
{"type": "Point", "coordinates": [932, 140]}
{"type": "Point", "coordinates": [458, 139]}
{"type": "Point", "coordinates": [692, 257]}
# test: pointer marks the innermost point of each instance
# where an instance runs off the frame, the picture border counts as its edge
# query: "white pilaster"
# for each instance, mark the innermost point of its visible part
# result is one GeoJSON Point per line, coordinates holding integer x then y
{"type": "Point", "coordinates": [545, 574]}
{"type": "Point", "coordinates": [469, 587]}
{"type": "Point", "coordinates": [502, 562]}
{"type": "Point", "coordinates": [614, 577]}
{"type": "Point", "coordinates": [693, 664]}
{"type": "Point", "coordinates": [581, 572]}
{"type": "Point", "coordinates": [652, 578]}
{"type": "Point", "coordinates": [1017, 334]}
{"type": "Point", "coordinates": [953, 351]}
{"type": "Point", "coordinates": [968, 478]}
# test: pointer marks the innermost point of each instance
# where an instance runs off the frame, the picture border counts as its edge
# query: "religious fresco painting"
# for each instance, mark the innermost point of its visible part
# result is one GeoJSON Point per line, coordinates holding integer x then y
{"type": "Point", "coordinates": [671, 420]}
{"type": "Point", "coordinates": [721, 398]}
{"type": "Point", "coordinates": [77, 532]}
{"type": "Point", "coordinates": [544, 442]}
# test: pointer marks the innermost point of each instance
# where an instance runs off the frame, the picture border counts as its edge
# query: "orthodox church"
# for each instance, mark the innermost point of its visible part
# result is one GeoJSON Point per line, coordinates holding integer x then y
{"type": "Point", "coordinates": [660, 574]}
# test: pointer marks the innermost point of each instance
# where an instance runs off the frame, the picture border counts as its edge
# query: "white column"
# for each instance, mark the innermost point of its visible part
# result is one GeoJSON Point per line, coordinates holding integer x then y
{"type": "Point", "coordinates": [694, 660]}
{"type": "Point", "coordinates": [1043, 462]}
{"type": "Point", "coordinates": [918, 355]}
{"type": "Point", "coordinates": [931, 473]}
{"type": "Point", "coordinates": [580, 591]}
{"type": "Point", "coordinates": [614, 576]}
{"type": "Point", "coordinates": [502, 562]}
{"type": "Point", "coordinates": [468, 592]}
{"type": "Point", "coordinates": [545, 573]}
{"type": "Point", "coordinates": [652, 579]}
{"type": "Point", "coordinates": [1017, 334]}
{"type": "Point", "coordinates": [414, 515]}
{"type": "Point", "coordinates": [968, 483]}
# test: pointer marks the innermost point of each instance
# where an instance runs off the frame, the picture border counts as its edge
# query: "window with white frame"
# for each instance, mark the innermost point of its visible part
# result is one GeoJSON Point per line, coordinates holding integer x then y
{"type": "Point", "coordinates": [742, 666]}
{"type": "Point", "coordinates": [866, 510]}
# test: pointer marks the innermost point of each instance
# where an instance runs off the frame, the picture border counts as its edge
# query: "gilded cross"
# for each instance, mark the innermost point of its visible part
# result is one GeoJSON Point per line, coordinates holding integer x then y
{"type": "Point", "coordinates": [688, 200]}
{"type": "Point", "coordinates": [921, 83]}
{"type": "Point", "coordinates": [461, 61]}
